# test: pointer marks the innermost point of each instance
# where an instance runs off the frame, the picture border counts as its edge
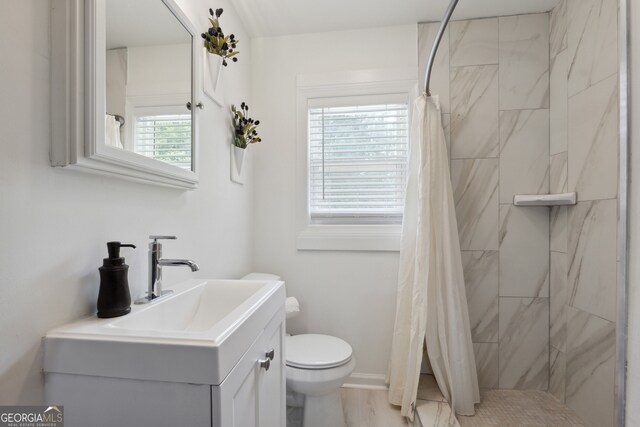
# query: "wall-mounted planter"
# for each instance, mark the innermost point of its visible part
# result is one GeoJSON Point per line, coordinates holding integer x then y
{"type": "Point", "coordinates": [211, 76]}
{"type": "Point", "coordinates": [237, 161]}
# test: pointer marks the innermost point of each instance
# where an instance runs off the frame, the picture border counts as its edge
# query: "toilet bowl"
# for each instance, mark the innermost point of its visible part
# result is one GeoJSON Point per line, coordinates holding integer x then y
{"type": "Point", "coordinates": [316, 367]}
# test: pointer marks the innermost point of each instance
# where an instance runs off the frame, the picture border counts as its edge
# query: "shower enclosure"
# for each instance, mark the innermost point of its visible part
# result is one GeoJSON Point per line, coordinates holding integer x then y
{"type": "Point", "coordinates": [532, 105]}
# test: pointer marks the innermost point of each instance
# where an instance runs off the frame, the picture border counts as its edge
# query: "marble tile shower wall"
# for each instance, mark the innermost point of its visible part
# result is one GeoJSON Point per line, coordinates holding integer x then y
{"type": "Point", "coordinates": [584, 158]}
{"type": "Point", "coordinates": [492, 77]}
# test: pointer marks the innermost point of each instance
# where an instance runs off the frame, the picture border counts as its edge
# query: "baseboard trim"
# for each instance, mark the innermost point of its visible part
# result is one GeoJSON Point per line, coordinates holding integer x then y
{"type": "Point", "coordinates": [366, 381]}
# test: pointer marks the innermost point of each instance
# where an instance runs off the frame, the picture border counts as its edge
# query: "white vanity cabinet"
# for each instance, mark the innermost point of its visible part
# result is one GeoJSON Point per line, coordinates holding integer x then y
{"type": "Point", "coordinates": [253, 395]}
{"type": "Point", "coordinates": [272, 389]}
{"type": "Point", "coordinates": [197, 358]}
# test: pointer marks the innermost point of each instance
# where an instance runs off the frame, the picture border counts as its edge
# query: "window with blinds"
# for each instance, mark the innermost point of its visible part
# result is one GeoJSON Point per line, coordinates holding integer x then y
{"type": "Point", "coordinates": [164, 137]}
{"type": "Point", "coordinates": [358, 153]}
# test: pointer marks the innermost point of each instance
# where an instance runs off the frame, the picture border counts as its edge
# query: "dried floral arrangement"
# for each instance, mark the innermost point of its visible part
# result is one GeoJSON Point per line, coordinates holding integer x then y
{"type": "Point", "coordinates": [216, 42]}
{"type": "Point", "coordinates": [245, 127]}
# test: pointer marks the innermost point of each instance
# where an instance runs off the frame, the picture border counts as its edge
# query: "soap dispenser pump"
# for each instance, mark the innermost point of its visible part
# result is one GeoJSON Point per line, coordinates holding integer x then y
{"type": "Point", "coordinates": [114, 298]}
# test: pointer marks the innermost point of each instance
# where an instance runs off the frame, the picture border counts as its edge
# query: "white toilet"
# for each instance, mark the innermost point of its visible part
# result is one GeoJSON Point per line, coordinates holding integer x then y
{"type": "Point", "coordinates": [317, 366]}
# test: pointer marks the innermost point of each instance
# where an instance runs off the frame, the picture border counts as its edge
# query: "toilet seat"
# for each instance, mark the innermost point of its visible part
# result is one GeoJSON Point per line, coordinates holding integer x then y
{"type": "Point", "coordinates": [315, 351]}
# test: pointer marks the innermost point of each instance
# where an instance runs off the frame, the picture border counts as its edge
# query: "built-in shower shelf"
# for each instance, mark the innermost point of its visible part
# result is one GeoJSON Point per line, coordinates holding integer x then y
{"type": "Point", "coordinates": [561, 199]}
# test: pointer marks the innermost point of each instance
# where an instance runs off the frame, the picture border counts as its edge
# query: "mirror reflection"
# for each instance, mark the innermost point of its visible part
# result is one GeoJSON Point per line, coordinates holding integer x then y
{"type": "Point", "coordinates": [148, 82]}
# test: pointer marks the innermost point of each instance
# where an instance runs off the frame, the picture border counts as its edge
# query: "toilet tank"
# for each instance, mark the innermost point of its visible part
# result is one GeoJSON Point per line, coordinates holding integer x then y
{"type": "Point", "coordinates": [292, 305]}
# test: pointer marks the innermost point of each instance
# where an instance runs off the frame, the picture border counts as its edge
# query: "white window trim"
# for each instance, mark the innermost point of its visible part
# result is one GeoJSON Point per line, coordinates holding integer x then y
{"type": "Point", "coordinates": [158, 111]}
{"type": "Point", "coordinates": [352, 83]}
{"type": "Point", "coordinates": [138, 103]}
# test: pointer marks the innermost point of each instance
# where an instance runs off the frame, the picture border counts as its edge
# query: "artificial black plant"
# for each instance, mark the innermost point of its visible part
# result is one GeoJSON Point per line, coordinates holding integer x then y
{"type": "Point", "coordinates": [216, 42]}
{"type": "Point", "coordinates": [245, 128]}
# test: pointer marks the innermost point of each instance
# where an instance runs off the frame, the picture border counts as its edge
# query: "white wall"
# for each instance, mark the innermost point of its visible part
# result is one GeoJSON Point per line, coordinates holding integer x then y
{"type": "Point", "coordinates": [159, 70]}
{"type": "Point", "coordinates": [116, 63]}
{"type": "Point", "coordinates": [633, 355]}
{"type": "Point", "coordinates": [54, 223]}
{"type": "Point", "coordinates": [351, 295]}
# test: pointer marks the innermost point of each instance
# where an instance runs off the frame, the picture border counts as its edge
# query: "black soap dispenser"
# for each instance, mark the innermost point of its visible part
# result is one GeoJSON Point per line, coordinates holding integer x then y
{"type": "Point", "coordinates": [114, 298]}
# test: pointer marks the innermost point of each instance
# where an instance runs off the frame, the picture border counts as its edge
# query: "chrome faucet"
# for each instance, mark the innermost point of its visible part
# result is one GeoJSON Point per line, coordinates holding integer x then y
{"type": "Point", "coordinates": [155, 269]}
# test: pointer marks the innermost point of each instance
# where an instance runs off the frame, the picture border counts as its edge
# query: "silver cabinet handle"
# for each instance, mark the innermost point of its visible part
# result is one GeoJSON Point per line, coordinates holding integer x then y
{"type": "Point", "coordinates": [270, 354]}
{"type": "Point", "coordinates": [266, 364]}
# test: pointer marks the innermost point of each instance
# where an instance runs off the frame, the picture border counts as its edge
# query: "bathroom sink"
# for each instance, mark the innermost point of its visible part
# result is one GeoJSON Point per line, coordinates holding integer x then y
{"type": "Point", "coordinates": [198, 308]}
{"type": "Point", "coordinates": [194, 335]}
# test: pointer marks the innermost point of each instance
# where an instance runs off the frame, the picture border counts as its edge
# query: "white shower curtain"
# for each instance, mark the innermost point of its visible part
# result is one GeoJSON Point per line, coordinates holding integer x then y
{"type": "Point", "coordinates": [431, 303]}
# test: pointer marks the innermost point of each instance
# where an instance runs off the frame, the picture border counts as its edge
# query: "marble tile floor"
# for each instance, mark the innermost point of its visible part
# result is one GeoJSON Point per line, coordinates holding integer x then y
{"type": "Point", "coordinates": [499, 408]}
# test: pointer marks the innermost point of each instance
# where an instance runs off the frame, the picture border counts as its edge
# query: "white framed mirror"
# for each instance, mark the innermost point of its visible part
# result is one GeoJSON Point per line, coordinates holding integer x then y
{"type": "Point", "coordinates": [125, 82]}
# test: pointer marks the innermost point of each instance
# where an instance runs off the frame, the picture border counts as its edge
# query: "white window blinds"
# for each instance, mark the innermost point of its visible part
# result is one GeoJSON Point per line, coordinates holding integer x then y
{"type": "Point", "coordinates": [164, 137]}
{"type": "Point", "coordinates": [358, 154]}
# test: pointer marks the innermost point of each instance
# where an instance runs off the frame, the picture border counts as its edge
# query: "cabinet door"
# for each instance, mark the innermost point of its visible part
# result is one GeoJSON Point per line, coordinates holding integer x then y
{"type": "Point", "coordinates": [251, 395]}
{"type": "Point", "coordinates": [273, 383]}
{"type": "Point", "coordinates": [235, 401]}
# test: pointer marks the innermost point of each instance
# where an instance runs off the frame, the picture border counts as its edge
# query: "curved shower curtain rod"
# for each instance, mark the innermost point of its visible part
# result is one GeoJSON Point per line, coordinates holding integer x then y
{"type": "Point", "coordinates": [436, 44]}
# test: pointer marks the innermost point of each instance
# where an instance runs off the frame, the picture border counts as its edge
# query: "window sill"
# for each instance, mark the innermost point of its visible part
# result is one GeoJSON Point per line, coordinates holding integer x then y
{"type": "Point", "coordinates": [349, 238]}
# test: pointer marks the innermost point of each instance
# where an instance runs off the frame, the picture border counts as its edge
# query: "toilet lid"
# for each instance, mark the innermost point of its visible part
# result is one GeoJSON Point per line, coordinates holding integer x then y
{"type": "Point", "coordinates": [313, 351]}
